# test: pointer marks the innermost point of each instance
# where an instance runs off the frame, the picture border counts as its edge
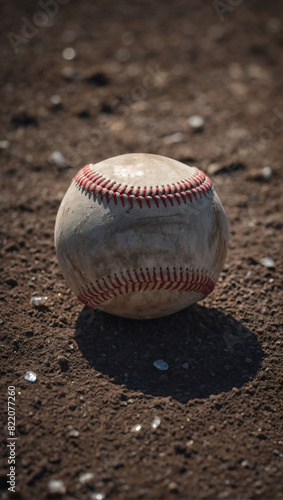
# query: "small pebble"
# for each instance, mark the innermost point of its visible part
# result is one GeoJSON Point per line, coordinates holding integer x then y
{"type": "Point", "coordinates": [196, 122]}
{"type": "Point", "coordinates": [156, 422]}
{"type": "Point", "coordinates": [213, 168]}
{"type": "Point", "coordinates": [246, 464]}
{"type": "Point", "coordinates": [173, 487]}
{"type": "Point", "coordinates": [174, 138]}
{"type": "Point", "coordinates": [160, 364]}
{"type": "Point", "coordinates": [56, 99]}
{"type": "Point", "coordinates": [69, 53]}
{"type": "Point", "coordinates": [30, 376]}
{"type": "Point", "coordinates": [4, 145]}
{"type": "Point", "coordinates": [38, 300]}
{"type": "Point", "coordinates": [266, 173]}
{"type": "Point", "coordinates": [185, 365]}
{"type": "Point", "coordinates": [74, 433]}
{"type": "Point", "coordinates": [267, 262]}
{"type": "Point", "coordinates": [56, 486]}
{"type": "Point", "coordinates": [57, 158]}
{"type": "Point", "coordinates": [97, 496]}
{"type": "Point", "coordinates": [136, 428]}
{"type": "Point", "coordinates": [86, 477]}
{"type": "Point", "coordinates": [189, 443]}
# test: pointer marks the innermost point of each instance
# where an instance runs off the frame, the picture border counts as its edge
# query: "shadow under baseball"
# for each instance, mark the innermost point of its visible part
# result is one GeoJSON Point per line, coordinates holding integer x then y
{"type": "Point", "coordinates": [207, 352]}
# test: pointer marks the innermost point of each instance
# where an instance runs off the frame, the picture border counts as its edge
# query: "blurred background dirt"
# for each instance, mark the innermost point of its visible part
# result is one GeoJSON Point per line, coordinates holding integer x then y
{"type": "Point", "coordinates": [84, 81]}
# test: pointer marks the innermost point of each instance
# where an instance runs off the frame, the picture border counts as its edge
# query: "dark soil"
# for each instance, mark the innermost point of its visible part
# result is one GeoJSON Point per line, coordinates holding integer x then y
{"type": "Point", "coordinates": [141, 69]}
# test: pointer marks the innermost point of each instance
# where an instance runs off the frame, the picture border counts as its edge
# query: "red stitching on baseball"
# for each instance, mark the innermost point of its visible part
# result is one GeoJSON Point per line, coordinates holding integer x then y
{"type": "Point", "coordinates": [188, 189]}
{"type": "Point", "coordinates": [96, 294]}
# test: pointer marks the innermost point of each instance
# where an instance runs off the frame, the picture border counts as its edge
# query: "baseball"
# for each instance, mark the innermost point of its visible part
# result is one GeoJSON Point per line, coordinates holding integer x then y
{"type": "Point", "coordinates": [141, 236]}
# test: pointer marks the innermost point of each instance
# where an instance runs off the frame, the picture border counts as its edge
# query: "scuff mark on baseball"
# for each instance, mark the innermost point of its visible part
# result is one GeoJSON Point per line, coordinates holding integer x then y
{"type": "Point", "coordinates": [141, 236]}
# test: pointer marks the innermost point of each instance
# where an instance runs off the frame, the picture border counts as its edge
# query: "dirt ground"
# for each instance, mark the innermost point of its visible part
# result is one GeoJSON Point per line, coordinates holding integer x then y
{"type": "Point", "coordinates": [140, 69]}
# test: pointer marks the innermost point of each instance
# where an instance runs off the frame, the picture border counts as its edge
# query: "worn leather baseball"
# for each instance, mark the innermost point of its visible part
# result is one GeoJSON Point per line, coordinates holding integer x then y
{"type": "Point", "coordinates": [141, 236]}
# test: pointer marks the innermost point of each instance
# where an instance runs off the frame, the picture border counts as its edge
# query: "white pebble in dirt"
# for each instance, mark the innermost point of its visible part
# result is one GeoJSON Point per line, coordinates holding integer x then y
{"type": "Point", "coordinates": [69, 53]}
{"type": "Point", "coordinates": [156, 422]}
{"type": "Point", "coordinates": [136, 428]}
{"type": "Point", "coordinates": [56, 99]}
{"type": "Point", "coordinates": [267, 262]}
{"type": "Point", "coordinates": [30, 376]}
{"type": "Point", "coordinates": [85, 477]}
{"type": "Point", "coordinates": [57, 158]}
{"type": "Point", "coordinates": [56, 486]}
{"type": "Point", "coordinates": [266, 173]}
{"type": "Point", "coordinates": [4, 145]}
{"type": "Point", "coordinates": [196, 122]}
{"type": "Point", "coordinates": [38, 300]}
{"type": "Point", "coordinates": [97, 496]}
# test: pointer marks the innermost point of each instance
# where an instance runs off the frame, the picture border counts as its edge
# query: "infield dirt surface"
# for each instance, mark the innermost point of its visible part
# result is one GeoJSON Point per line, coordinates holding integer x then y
{"type": "Point", "coordinates": [141, 69]}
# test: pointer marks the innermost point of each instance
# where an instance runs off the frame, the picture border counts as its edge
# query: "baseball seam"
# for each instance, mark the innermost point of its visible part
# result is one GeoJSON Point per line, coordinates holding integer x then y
{"type": "Point", "coordinates": [96, 294]}
{"type": "Point", "coordinates": [189, 189]}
